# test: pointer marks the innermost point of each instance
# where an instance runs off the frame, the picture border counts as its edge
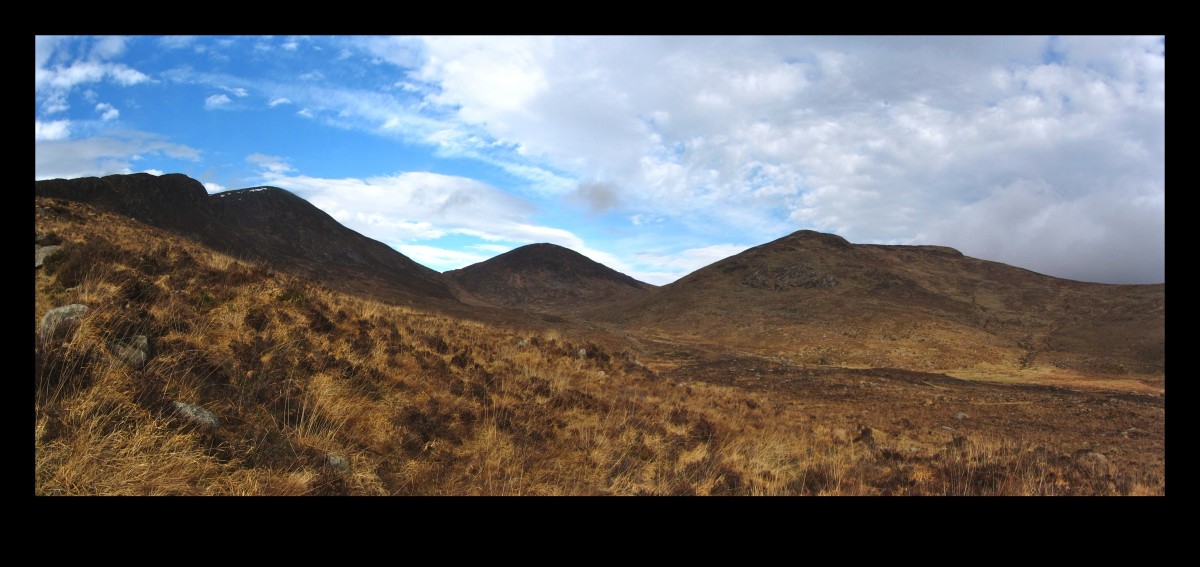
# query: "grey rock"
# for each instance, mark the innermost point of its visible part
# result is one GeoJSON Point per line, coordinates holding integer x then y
{"type": "Point", "coordinates": [134, 352]}
{"type": "Point", "coordinates": [582, 353]}
{"type": "Point", "coordinates": [61, 322]}
{"type": "Point", "coordinates": [337, 463]}
{"type": "Point", "coordinates": [43, 252]}
{"type": "Point", "coordinates": [523, 342]}
{"type": "Point", "coordinates": [196, 415]}
{"type": "Point", "coordinates": [960, 416]}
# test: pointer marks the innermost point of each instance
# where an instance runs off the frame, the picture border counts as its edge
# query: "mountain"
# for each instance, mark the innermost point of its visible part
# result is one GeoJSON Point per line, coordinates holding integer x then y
{"type": "Point", "coordinates": [548, 278]}
{"type": "Point", "coordinates": [818, 299]}
{"type": "Point", "coordinates": [281, 228]}
{"type": "Point", "coordinates": [268, 224]}
{"type": "Point", "coordinates": [808, 298]}
{"type": "Point", "coordinates": [161, 367]}
{"type": "Point", "coordinates": [807, 365]}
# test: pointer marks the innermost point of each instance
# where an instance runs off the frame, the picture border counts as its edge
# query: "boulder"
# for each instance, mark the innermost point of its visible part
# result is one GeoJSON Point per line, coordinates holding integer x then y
{"type": "Point", "coordinates": [61, 322]}
{"type": "Point", "coordinates": [42, 252]}
{"type": "Point", "coordinates": [134, 352]}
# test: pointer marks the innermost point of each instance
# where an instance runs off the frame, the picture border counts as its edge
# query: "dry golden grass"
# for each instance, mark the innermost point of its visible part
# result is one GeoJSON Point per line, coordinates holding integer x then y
{"type": "Point", "coordinates": [421, 403]}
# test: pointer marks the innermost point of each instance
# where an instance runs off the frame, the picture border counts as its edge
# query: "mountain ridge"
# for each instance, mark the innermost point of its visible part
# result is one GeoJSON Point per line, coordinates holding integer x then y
{"type": "Point", "coordinates": [546, 277]}
{"type": "Point", "coordinates": [262, 223]}
{"type": "Point", "coordinates": [812, 297]}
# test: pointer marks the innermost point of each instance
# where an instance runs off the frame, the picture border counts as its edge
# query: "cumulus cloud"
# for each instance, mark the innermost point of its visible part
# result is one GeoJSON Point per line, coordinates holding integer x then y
{"type": "Point", "coordinates": [107, 111]}
{"type": "Point", "coordinates": [216, 101]}
{"type": "Point", "coordinates": [55, 103]}
{"type": "Point", "coordinates": [944, 140]}
{"type": "Point", "coordinates": [58, 68]}
{"type": "Point", "coordinates": [213, 187]}
{"type": "Point", "coordinates": [874, 138]}
{"type": "Point", "coordinates": [55, 130]}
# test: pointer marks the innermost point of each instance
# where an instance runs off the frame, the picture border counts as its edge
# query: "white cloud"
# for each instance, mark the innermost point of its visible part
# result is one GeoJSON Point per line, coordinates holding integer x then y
{"type": "Point", "coordinates": [58, 68]}
{"type": "Point", "coordinates": [107, 111]}
{"type": "Point", "coordinates": [107, 47]}
{"type": "Point", "coordinates": [740, 139]}
{"type": "Point", "coordinates": [114, 152]}
{"type": "Point", "coordinates": [236, 91]}
{"type": "Point", "coordinates": [665, 268]}
{"type": "Point", "coordinates": [154, 172]}
{"type": "Point", "coordinates": [413, 206]}
{"type": "Point", "coordinates": [439, 259]}
{"type": "Point", "coordinates": [274, 165]}
{"type": "Point", "coordinates": [55, 130]}
{"type": "Point", "coordinates": [216, 101]}
{"type": "Point", "coordinates": [290, 46]}
{"type": "Point", "coordinates": [55, 103]}
{"type": "Point", "coordinates": [66, 77]}
{"type": "Point", "coordinates": [874, 138]}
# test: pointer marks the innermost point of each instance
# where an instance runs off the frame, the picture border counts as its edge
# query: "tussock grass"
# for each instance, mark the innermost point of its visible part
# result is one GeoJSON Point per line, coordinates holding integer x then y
{"type": "Point", "coordinates": [420, 403]}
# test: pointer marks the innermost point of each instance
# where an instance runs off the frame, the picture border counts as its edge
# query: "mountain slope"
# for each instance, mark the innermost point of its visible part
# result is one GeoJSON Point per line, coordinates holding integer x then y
{"type": "Point", "coordinates": [262, 223]}
{"type": "Point", "coordinates": [819, 299]}
{"type": "Point", "coordinates": [279, 227]}
{"type": "Point", "coordinates": [546, 277]}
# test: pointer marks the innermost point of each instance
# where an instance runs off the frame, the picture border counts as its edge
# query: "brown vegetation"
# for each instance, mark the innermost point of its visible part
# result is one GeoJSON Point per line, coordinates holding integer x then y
{"type": "Point", "coordinates": [430, 403]}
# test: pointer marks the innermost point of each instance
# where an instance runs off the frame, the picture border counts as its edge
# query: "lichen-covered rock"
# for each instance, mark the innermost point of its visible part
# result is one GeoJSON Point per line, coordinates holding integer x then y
{"type": "Point", "coordinates": [42, 252]}
{"type": "Point", "coordinates": [61, 322]}
{"type": "Point", "coordinates": [196, 415]}
{"type": "Point", "coordinates": [134, 352]}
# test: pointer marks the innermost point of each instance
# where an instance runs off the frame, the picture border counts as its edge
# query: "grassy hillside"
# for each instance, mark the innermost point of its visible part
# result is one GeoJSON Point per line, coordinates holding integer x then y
{"type": "Point", "coordinates": [323, 393]}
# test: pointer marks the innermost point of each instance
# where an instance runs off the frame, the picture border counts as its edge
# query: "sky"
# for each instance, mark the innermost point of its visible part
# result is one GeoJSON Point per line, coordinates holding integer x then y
{"type": "Point", "coordinates": [655, 156]}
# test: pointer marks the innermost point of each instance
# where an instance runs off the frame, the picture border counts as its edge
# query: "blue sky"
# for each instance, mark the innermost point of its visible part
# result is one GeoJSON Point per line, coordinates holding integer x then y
{"type": "Point", "coordinates": [653, 155]}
